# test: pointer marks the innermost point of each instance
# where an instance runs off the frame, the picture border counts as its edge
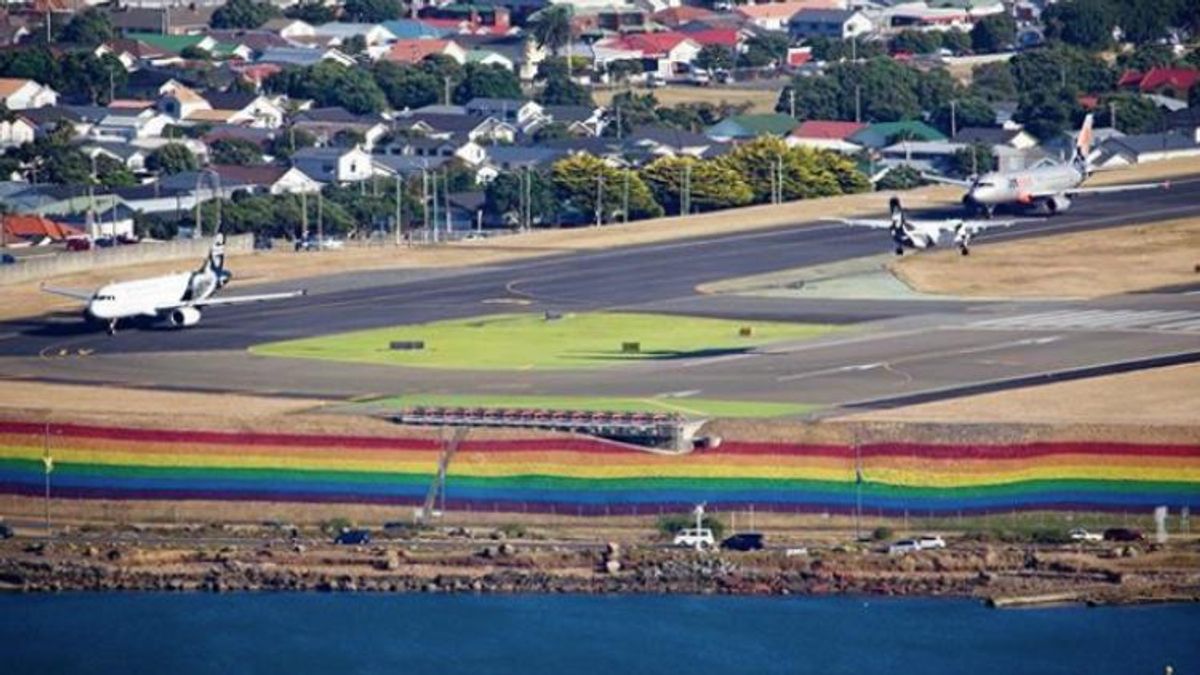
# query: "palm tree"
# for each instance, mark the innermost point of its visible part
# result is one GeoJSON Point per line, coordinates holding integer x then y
{"type": "Point", "coordinates": [552, 27]}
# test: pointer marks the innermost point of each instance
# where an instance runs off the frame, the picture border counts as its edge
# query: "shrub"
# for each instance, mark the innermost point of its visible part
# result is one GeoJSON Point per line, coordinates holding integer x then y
{"type": "Point", "coordinates": [882, 533]}
{"type": "Point", "coordinates": [1049, 536]}
{"type": "Point", "coordinates": [336, 525]}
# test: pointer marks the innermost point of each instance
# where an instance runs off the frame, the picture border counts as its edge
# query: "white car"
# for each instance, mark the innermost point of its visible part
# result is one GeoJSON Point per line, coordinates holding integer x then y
{"type": "Point", "coordinates": [695, 538]}
{"type": "Point", "coordinates": [904, 546]}
{"type": "Point", "coordinates": [930, 541]}
{"type": "Point", "coordinates": [1080, 534]}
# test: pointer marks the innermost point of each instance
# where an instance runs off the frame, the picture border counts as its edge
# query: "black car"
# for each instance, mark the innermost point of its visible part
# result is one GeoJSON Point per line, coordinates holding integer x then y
{"type": "Point", "coordinates": [7, 259]}
{"type": "Point", "coordinates": [6, 532]}
{"type": "Point", "coordinates": [1122, 534]}
{"type": "Point", "coordinates": [353, 537]}
{"type": "Point", "coordinates": [745, 541]}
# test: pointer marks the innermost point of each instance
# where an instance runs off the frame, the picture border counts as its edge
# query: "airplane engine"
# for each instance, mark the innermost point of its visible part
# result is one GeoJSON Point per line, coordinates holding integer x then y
{"type": "Point", "coordinates": [1058, 204]}
{"type": "Point", "coordinates": [185, 316]}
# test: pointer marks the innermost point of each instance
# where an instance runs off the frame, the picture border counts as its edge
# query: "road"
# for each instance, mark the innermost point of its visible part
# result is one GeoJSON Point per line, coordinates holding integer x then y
{"type": "Point", "coordinates": [893, 350]}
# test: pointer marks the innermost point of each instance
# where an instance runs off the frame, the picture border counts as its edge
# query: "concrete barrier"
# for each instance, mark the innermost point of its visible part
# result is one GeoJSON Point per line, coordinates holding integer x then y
{"type": "Point", "coordinates": [71, 262]}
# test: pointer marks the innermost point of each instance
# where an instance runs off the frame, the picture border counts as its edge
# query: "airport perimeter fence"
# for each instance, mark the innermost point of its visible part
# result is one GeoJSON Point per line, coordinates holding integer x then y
{"type": "Point", "coordinates": [41, 268]}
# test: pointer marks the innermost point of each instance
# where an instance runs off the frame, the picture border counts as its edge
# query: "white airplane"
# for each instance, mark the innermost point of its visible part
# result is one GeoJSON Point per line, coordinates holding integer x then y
{"type": "Point", "coordinates": [923, 234]}
{"type": "Point", "coordinates": [179, 297]}
{"type": "Point", "coordinates": [1048, 185]}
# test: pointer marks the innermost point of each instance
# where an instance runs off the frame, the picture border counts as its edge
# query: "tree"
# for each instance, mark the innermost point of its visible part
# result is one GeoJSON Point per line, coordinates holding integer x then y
{"type": "Point", "coordinates": [1083, 23]}
{"type": "Point", "coordinates": [355, 45]}
{"type": "Point", "coordinates": [902, 177]}
{"type": "Point", "coordinates": [994, 33]}
{"type": "Point", "coordinates": [564, 91]}
{"type": "Point", "coordinates": [888, 91]}
{"type": "Point", "coordinates": [551, 27]}
{"type": "Point", "coordinates": [582, 181]}
{"type": "Point", "coordinates": [172, 158]}
{"type": "Point", "coordinates": [88, 28]}
{"type": "Point", "coordinates": [288, 141]}
{"type": "Point", "coordinates": [993, 82]}
{"type": "Point", "coordinates": [968, 112]}
{"type": "Point", "coordinates": [714, 57]}
{"type": "Point", "coordinates": [406, 86]}
{"type": "Point", "coordinates": [330, 84]}
{"type": "Point", "coordinates": [372, 11]}
{"type": "Point", "coordinates": [551, 132]}
{"type": "Point", "coordinates": [505, 196]}
{"type": "Point", "coordinates": [348, 138]}
{"type": "Point", "coordinates": [829, 49]}
{"type": "Point", "coordinates": [194, 53]}
{"type": "Point", "coordinates": [623, 69]}
{"type": "Point", "coordinates": [805, 172]}
{"type": "Point", "coordinates": [1047, 113]}
{"type": "Point", "coordinates": [243, 14]}
{"type": "Point", "coordinates": [491, 81]}
{"type": "Point", "coordinates": [311, 11]}
{"type": "Point", "coordinates": [1052, 68]}
{"type": "Point", "coordinates": [86, 76]}
{"type": "Point", "coordinates": [1135, 114]}
{"type": "Point", "coordinates": [111, 173]}
{"type": "Point", "coordinates": [977, 159]}
{"type": "Point", "coordinates": [957, 41]}
{"type": "Point", "coordinates": [917, 42]}
{"type": "Point", "coordinates": [235, 151]}
{"type": "Point", "coordinates": [1147, 56]}
{"type": "Point", "coordinates": [710, 185]}
{"type": "Point", "coordinates": [764, 50]}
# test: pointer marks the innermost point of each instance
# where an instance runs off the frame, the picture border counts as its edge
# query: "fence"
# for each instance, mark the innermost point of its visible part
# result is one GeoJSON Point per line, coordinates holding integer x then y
{"type": "Point", "coordinates": [70, 262]}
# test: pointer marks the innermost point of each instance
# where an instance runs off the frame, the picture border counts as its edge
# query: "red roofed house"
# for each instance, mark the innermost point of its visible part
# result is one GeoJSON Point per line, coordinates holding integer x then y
{"type": "Point", "coordinates": [414, 51]}
{"type": "Point", "coordinates": [776, 15]}
{"type": "Point", "coordinates": [674, 17]}
{"type": "Point", "coordinates": [667, 54]}
{"type": "Point", "coordinates": [722, 37]}
{"type": "Point", "coordinates": [1174, 82]}
{"type": "Point", "coordinates": [826, 135]}
{"type": "Point", "coordinates": [33, 229]}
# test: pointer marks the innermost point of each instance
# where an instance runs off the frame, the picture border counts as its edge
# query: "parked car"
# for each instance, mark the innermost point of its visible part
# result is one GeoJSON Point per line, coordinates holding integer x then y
{"type": "Point", "coordinates": [6, 532]}
{"type": "Point", "coordinates": [931, 541]}
{"type": "Point", "coordinates": [104, 242]}
{"type": "Point", "coordinates": [127, 239]}
{"type": "Point", "coordinates": [7, 259]}
{"type": "Point", "coordinates": [353, 537]}
{"type": "Point", "coordinates": [695, 538]}
{"type": "Point", "coordinates": [1122, 534]}
{"type": "Point", "coordinates": [743, 541]}
{"type": "Point", "coordinates": [314, 244]}
{"type": "Point", "coordinates": [904, 546]}
{"type": "Point", "coordinates": [1080, 534]}
{"type": "Point", "coordinates": [79, 244]}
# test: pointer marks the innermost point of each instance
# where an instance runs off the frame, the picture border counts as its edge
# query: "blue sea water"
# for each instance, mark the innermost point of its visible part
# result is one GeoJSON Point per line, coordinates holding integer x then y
{"type": "Point", "coordinates": [346, 633]}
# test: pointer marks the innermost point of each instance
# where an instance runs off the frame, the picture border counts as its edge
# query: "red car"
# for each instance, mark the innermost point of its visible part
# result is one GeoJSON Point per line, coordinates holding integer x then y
{"type": "Point", "coordinates": [79, 244]}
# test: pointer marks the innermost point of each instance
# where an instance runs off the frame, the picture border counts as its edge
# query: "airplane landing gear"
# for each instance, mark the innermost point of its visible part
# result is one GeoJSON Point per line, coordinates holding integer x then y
{"type": "Point", "coordinates": [964, 249]}
{"type": "Point", "coordinates": [112, 327]}
{"type": "Point", "coordinates": [899, 250]}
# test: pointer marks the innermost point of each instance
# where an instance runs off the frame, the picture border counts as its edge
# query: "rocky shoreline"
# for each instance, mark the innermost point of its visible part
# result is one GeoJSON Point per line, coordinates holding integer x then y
{"type": "Point", "coordinates": [1003, 575]}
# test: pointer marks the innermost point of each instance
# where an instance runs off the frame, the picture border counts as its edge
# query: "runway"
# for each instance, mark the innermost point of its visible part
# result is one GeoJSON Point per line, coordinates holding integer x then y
{"type": "Point", "coordinates": [887, 350]}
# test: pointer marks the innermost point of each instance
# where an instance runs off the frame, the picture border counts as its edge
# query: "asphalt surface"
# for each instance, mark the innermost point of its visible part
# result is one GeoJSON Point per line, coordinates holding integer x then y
{"type": "Point", "coordinates": [889, 350]}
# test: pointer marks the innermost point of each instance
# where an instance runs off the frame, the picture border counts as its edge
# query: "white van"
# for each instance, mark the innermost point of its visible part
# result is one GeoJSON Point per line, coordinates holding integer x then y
{"type": "Point", "coordinates": [695, 538]}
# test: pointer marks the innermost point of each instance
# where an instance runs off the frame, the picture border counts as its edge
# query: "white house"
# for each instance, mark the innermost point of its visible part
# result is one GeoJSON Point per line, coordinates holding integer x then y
{"type": "Point", "coordinates": [338, 33]}
{"type": "Point", "coordinates": [294, 181]}
{"type": "Point", "coordinates": [290, 29]}
{"type": "Point", "coordinates": [21, 94]}
{"type": "Point", "coordinates": [334, 165]}
{"type": "Point", "coordinates": [17, 132]}
{"type": "Point", "coordinates": [840, 24]}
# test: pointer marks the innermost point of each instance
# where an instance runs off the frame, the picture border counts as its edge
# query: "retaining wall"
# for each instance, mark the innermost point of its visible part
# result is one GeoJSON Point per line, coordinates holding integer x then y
{"type": "Point", "coordinates": [50, 266]}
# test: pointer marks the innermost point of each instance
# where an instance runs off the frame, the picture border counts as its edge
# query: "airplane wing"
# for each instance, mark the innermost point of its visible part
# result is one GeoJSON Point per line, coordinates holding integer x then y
{"type": "Point", "coordinates": [235, 300]}
{"type": "Point", "coordinates": [974, 226]}
{"type": "Point", "coordinates": [73, 293]}
{"type": "Point", "coordinates": [876, 224]}
{"type": "Point", "coordinates": [1099, 190]}
{"type": "Point", "coordinates": [947, 180]}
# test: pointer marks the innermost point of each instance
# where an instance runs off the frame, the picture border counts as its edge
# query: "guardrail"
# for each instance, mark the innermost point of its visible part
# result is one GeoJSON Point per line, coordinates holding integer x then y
{"type": "Point", "coordinates": [70, 262]}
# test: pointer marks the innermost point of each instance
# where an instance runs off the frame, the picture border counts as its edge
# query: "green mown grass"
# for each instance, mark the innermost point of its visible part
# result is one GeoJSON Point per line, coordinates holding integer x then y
{"type": "Point", "coordinates": [528, 341]}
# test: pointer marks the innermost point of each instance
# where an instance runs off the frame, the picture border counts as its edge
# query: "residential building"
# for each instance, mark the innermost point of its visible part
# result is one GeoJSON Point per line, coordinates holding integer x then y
{"type": "Point", "coordinates": [415, 51]}
{"type": "Point", "coordinates": [23, 94]}
{"type": "Point", "coordinates": [187, 19]}
{"type": "Point", "coordinates": [826, 135]}
{"type": "Point", "coordinates": [303, 56]}
{"type": "Point", "coordinates": [17, 131]}
{"type": "Point", "coordinates": [1176, 83]}
{"type": "Point", "coordinates": [33, 229]}
{"type": "Point", "coordinates": [520, 114]}
{"type": "Point", "coordinates": [1144, 148]}
{"type": "Point", "coordinates": [337, 33]}
{"type": "Point", "coordinates": [289, 29]}
{"type": "Point", "coordinates": [777, 15]}
{"type": "Point", "coordinates": [745, 127]}
{"type": "Point", "coordinates": [1018, 139]}
{"type": "Point", "coordinates": [334, 165]}
{"type": "Point", "coordinates": [667, 141]}
{"type": "Point", "coordinates": [327, 123]}
{"type": "Point", "coordinates": [839, 24]}
{"type": "Point", "coordinates": [130, 156]}
{"type": "Point", "coordinates": [664, 54]}
{"type": "Point", "coordinates": [879, 136]}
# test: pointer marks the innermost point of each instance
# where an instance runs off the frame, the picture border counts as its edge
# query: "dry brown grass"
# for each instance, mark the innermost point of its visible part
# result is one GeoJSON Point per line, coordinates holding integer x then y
{"type": "Point", "coordinates": [760, 100]}
{"type": "Point", "coordinates": [1162, 396]}
{"type": "Point", "coordinates": [1080, 264]}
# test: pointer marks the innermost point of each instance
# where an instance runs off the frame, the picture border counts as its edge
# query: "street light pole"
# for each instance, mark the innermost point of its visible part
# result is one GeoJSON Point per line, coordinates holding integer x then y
{"type": "Point", "coordinates": [399, 204]}
{"type": "Point", "coordinates": [599, 199]}
{"type": "Point", "coordinates": [48, 466]}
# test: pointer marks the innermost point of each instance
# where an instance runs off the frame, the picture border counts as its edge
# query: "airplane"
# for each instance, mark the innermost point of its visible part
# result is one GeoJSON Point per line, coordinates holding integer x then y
{"type": "Point", "coordinates": [1047, 185]}
{"type": "Point", "coordinates": [923, 234]}
{"type": "Point", "coordinates": [178, 297]}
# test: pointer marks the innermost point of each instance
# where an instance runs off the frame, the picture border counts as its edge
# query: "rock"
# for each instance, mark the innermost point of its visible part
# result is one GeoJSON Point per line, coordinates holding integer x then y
{"type": "Point", "coordinates": [612, 566]}
{"type": "Point", "coordinates": [507, 549]}
{"type": "Point", "coordinates": [391, 561]}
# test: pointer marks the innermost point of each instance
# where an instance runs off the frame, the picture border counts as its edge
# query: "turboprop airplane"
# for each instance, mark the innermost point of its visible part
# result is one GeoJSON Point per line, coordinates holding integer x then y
{"type": "Point", "coordinates": [923, 234]}
{"type": "Point", "coordinates": [178, 297]}
{"type": "Point", "coordinates": [1048, 185]}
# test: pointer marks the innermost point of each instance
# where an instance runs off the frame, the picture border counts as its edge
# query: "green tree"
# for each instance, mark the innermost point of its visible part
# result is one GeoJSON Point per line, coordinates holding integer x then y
{"type": "Point", "coordinates": [1083, 23]}
{"type": "Point", "coordinates": [372, 11]}
{"type": "Point", "coordinates": [89, 77]}
{"type": "Point", "coordinates": [765, 49]}
{"type": "Point", "coordinates": [1059, 67]}
{"type": "Point", "coordinates": [330, 84]}
{"type": "Point", "coordinates": [504, 198]}
{"type": "Point", "coordinates": [492, 81]}
{"type": "Point", "coordinates": [243, 14]}
{"type": "Point", "coordinates": [551, 27]}
{"type": "Point", "coordinates": [635, 110]}
{"type": "Point", "coordinates": [917, 41]}
{"type": "Point", "coordinates": [805, 172]}
{"type": "Point", "coordinates": [194, 53]}
{"type": "Point", "coordinates": [564, 91]}
{"type": "Point", "coordinates": [1047, 113]}
{"type": "Point", "coordinates": [1147, 56]}
{"type": "Point", "coordinates": [957, 41]}
{"type": "Point", "coordinates": [968, 112]}
{"type": "Point", "coordinates": [994, 33]}
{"type": "Point", "coordinates": [993, 82]}
{"type": "Point", "coordinates": [111, 173]}
{"type": "Point", "coordinates": [974, 160]}
{"type": "Point", "coordinates": [348, 138]}
{"type": "Point", "coordinates": [236, 151]}
{"type": "Point", "coordinates": [710, 185]}
{"type": "Point", "coordinates": [550, 132]}
{"type": "Point", "coordinates": [288, 141]}
{"type": "Point", "coordinates": [1135, 114]}
{"type": "Point", "coordinates": [311, 11]}
{"type": "Point", "coordinates": [900, 178]}
{"type": "Point", "coordinates": [581, 180]}
{"type": "Point", "coordinates": [88, 28]}
{"type": "Point", "coordinates": [172, 158]}
{"type": "Point", "coordinates": [355, 45]}
{"type": "Point", "coordinates": [714, 57]}
{"type": "Point", "coordinates": [406, 86]}
{"type": "Point", "coordinates": [829, 49]}
{"type": "Point", "coordinates": [622, 69]}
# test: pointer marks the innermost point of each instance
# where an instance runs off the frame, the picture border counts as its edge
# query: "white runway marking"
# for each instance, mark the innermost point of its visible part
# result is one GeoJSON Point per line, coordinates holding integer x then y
{"type": "Point", "coordinates": [1178, 321]}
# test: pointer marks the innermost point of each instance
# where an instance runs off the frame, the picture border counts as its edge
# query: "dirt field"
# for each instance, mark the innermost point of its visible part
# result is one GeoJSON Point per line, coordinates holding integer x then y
{"type": "Point", "coordinates": [1077, 265]}
{"type": "Point", "coordinates": [1163, 396]}
{"type": "Point", "coordinates": [760, 100]}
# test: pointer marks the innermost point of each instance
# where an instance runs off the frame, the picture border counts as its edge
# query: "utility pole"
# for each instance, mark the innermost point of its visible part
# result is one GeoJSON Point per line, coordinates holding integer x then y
{"type": "Point", "coordinates": [48, 466]}
{"type": "Point", "coordinates": [446, 183]}
{"type": "Point", "coordinates": [425, 201]}
{"type": "Point", "coordinates": [599, 199]}
{"type": "Point", "coordinates": [619, 123]}
{"type": "Point", "coordinates": [686, 192]}
{"type": "Point", "coordinates": [625, 200]}
{"type": "Point", "coordinates": [528, 199]}
{"type": "Point", "coordinates": [399, 206]}
{"type": "Point", "coordinates": [320, 222]}
{"type": "Point", "coordinates": [446, 90]}
{"type": "Point", "coordinates": [303, 216]}
{"type": "Point", "coordinates": [858, 103]}
{"type": "Point", "coordinates": [953, 119]}
{"type": "Point", "coordinates": [792, 102]}
{"type": "Point", "coordinates": [433, 204]}
{"type": "Point", "coordinates": [1112, 115]}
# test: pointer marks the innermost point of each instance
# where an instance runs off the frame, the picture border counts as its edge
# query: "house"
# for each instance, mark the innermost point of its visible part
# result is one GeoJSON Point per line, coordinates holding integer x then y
{"type": "Point", "coordinates": [776, 15]}
{"type": "Point", "coordinates": [255, 41]}
{"type": "Point", "coordinates": [521, 114]}
{"type": "Point", "coordinates": [436, 125]}
{"type": "Point", "coordinates": [486, 57]}
{"type": "Point", "coordinates": [415, 51]}
{"type": "Point", "coordinates": [334, 165]}
{"type": "Point", "coordinates": [994, 136]}
{"type": "Point", "coordinates": [515, 157]}
{"type": "Point", "coordinates": [182, 19]}
{"type": "Point", "coordinates": [666, 141]}
{"type": "Point", "coordinates": [303, 56]}
{"type": "Point", "coordinates": [1143, 148]}
{"type": "Point", "coordinates": [878, 136]}
{"type": "Point", "coordinates": [263, 179]}
{"type": "Point", "coordinates": [839, 24]}
{"type": "Point", "coordinates": [933, 156]}
{"type": "Point", "coordinates": [920, 16]}
{"type": "Point", "coordinates": [23, 94]}
{"type": "Point", "coordinates": [131, 157]}
{"type": "Point", "coordinates": [665, 54]}
{"type": "Point", "coordinates": [580, 120]}
{"type": "Point", "coordinates": [826, 135]}
{"type": "Point", "coordinates": [413, 29]}
{"type": "Point", "coordinates": [674, 17]}
{"type": "Point", "coordinates": [112, 221]}
{"type": "Point", "coordinates": [33, 229]}
{"type": "Point", "coordinates": [742, 127]}
{"type": "Point", "coordinates": [18, 130]}
{"type": "Point", "coordinates": [289, 29]}
{"type": "Point", "coordinates": [523, 52]}
{"type": "Point", "coordinates": [327, 123]}
{"type": "Point", "coordinates": [337, 33]}
{"type": "Point", "coordinates": [45, 120]}
{"type": "Point", "coordinates": [252, 110]}
{"type": "Point", "coordinates": [173, 46]}
{"type": "Point", "coordinates": [114, 124]}
{"type": "Point", "coordinates": [1176, 83]}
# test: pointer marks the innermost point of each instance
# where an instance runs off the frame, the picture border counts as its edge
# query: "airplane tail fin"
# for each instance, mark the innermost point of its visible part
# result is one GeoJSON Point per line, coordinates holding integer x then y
{"type": "Point", "coordinates": [215, 263]}
{"type": "Point", "coordinates": [898, 217]}
{"type": "Point", "coordinates": [1083, 146]}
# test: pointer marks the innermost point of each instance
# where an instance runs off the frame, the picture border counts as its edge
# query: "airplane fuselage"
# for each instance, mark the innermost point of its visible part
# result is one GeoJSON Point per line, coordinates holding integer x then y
{"type": "Point", "coordinates": [1028, 187]}
{"type": "Point", "coordinates": [147, 297]}
{"type": "Point", "coordinates": [921, 236]}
